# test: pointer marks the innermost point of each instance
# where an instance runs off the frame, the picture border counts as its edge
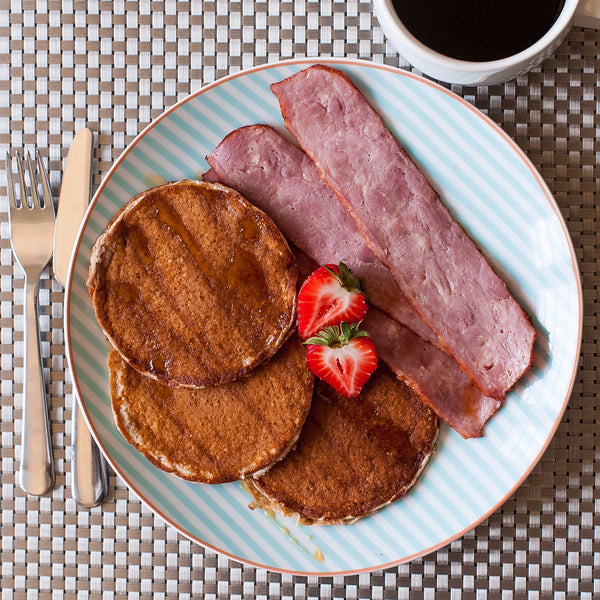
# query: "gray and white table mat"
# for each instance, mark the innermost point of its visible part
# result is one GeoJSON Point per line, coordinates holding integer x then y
{"type": "Point", "coordinates": [114, 66]}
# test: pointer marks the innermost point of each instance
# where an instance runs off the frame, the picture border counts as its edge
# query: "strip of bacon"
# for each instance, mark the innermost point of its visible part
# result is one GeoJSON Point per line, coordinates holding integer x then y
{"type": "Point", "coordinates": [280, 179]}
{"type": "Point", "coordinates": [437, 266]}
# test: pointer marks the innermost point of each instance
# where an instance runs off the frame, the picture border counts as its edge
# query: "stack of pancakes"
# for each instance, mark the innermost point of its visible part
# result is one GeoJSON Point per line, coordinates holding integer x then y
{"type": "Point", "coordinates": [195, 288]}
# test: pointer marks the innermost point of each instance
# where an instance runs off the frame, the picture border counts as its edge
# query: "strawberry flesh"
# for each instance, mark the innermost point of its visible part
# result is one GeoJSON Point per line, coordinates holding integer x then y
{"type": "Point", "coordinates": [328, 297]}
{"type": "Point", "coordinates": [343, 356]}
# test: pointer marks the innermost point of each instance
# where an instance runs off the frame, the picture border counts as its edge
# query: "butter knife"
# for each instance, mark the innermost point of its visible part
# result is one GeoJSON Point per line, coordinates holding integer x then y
{"type": "Point", "coordinates": [88, 468]}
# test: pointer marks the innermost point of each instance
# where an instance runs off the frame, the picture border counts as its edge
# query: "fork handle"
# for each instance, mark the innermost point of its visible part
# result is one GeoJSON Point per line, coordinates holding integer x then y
{"type": "Point", "coordinates": [37, 464]}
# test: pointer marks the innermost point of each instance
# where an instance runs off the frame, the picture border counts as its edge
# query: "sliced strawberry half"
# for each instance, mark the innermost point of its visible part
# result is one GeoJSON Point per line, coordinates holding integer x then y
{"type": "Point", "coordinates": [329, 296]}
{"type": "Point", "coordinates": [343, 356]}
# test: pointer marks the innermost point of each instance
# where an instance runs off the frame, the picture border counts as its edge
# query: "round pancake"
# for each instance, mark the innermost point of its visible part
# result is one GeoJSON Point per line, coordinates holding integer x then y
{"type": "Point", "coordinates": [353, 457]}
{"type": "Point", "coordinates": [217, 434]}
{"type": "Point", "coordinates": [193, 285]}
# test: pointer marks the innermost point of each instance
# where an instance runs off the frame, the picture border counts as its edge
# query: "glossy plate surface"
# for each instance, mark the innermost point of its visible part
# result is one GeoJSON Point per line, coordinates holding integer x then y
{"type": "Point", "coordinates": [498, 196]}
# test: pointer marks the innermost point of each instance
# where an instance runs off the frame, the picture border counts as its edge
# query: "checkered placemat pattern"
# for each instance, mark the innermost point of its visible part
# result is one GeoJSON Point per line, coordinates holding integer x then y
{"type": "Point", "coordinates": [114, 66]}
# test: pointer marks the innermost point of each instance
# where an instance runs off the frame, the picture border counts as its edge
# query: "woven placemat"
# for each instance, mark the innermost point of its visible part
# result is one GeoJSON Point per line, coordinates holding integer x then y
{"type": "Point", "coordinates": [114, 66]}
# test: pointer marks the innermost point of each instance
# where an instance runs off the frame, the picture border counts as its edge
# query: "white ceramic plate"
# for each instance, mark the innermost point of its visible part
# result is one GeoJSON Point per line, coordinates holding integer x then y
{"type": "Point", "coordinates": [496, 194]}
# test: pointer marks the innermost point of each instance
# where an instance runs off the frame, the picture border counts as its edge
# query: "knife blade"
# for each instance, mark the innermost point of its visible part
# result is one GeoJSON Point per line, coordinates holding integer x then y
{"type": "Point", "coordinates": [88, 468]}
{"type": "Point", "coordinates": [73, 201]}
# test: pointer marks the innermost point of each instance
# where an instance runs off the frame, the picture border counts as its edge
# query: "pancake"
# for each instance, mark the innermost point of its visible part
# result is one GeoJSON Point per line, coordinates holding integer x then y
{"type": "Point", "coordinates": [217, 434]}
{"type": "Point", "coordinates": [193, 285]}
{"type": "Point", "coordinates": [353, 457]}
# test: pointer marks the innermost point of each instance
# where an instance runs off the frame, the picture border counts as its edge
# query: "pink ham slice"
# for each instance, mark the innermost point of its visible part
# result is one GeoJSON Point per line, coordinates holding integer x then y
{"type": "Point", "coordinates": [279, 178]}
{"type": "Point", "coordinates": [435, 263]}
{"type": "Point", "coordinates": [282, 180]}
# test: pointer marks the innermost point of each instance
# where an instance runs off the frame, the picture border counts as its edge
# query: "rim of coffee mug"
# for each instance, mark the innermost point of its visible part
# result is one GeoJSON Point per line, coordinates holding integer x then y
{"type": "Point", "coordinates": [563, 21]}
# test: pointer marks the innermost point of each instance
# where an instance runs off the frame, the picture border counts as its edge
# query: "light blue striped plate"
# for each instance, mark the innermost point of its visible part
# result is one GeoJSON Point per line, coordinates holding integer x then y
{"type": "Point", "coordinates": [492, 189]}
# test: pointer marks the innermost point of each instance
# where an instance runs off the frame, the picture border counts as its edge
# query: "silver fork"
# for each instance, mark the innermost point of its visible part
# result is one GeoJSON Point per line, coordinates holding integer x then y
{"type": "Point", "coordinates": [32, 235]}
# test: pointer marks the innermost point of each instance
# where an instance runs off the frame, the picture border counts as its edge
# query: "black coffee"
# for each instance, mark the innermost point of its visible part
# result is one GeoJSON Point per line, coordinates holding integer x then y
{"type": "Point", "coordinates": [478, 30]}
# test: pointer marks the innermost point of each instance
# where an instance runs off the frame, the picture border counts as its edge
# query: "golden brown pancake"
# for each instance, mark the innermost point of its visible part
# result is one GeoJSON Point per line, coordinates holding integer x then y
{"type": "Point", "coordinates": [217, 434]}
{"type": "Point", "coordinates": [193, 285]}
{"type": "Point", "coordinates": [353, 457]}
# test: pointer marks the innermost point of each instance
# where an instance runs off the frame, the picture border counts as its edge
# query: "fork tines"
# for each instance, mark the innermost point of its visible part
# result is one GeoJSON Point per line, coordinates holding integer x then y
{"type": "Point", "coordinates": [34, 181]}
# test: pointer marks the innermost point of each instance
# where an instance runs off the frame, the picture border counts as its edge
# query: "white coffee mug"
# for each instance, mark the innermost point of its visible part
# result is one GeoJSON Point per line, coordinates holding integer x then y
{"type": "Point", "coordinates": [584, 13]}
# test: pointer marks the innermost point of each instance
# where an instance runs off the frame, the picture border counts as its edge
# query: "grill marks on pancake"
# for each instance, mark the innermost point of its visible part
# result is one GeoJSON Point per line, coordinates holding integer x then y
{"type": "Point", "coordinates": [243, 279]}
{"type": "Point", "coordinates": [386, 435]}
{"type": "Point", "coordinates": [353, 456]}
{"type": "Point", "coordinates": [154, 287]}
{"type": "Point", "coordinates": [216, 434]}
{"type": "Point", "coordinates": [162, 402]}
{"type": "Point", "coordinates": [243, 282]}
{"type": "Point", "coordinates": [193, 285]}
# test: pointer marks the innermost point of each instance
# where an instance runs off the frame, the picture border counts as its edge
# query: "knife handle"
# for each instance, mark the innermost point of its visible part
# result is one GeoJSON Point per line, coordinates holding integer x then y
{"type": "Point", "coordinates": [88, 468]}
